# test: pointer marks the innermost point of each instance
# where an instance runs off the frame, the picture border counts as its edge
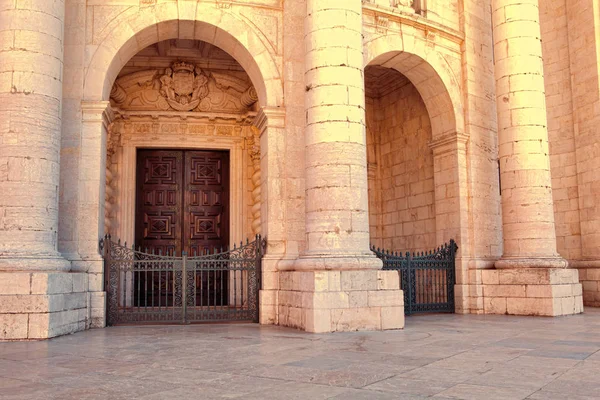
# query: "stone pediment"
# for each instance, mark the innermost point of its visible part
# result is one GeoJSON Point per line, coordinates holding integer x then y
{"type": "Point", "coordinates": [183, 87]}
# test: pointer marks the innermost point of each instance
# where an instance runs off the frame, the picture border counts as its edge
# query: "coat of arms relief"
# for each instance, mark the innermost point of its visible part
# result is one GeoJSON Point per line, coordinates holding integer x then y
{"type": "Point", "coordinates": [184, 87]}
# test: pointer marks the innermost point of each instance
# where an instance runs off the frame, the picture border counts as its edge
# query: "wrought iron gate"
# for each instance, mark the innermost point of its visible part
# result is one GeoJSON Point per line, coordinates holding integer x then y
{"type": "Point", "coordinates": [427, 278]}
{"type": "Point", "coordinates": [148, 288]}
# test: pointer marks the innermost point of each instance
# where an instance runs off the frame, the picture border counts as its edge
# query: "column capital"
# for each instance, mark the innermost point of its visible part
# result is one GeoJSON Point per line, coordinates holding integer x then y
{"type": "Point", "coordinates": [449, 142]}
{"type": "Point", "coordinates": [269, 117]}
{"type": "Point", "coordinates": [97, 111]}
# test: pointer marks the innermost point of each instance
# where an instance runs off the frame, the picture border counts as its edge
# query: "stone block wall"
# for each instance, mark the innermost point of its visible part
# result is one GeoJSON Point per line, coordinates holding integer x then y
{"type": "Point", "coordinates": [43, 305]}
{"type": "Point", "coordinates": [559, 104]}
{"type": "Point", "coordinates": [531, 291]}
{"type": "Point", "coordinates": [590, 280]}
{"type": "Point", "coordinates": [401, 189]}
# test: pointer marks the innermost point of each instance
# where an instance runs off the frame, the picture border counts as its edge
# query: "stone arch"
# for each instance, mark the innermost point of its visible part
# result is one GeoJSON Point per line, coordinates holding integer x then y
{"type": "Point", "coordinates": [121, 39]}
{"type": "Point", "coordinates": [441, 92]}
{"type": "Point", "coordinates": [429, 73]}
{"type": "Point", "coordinates": [135, 31]}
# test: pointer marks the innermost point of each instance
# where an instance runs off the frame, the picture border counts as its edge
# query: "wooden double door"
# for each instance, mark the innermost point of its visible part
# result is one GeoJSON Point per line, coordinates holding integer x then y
{"type": "Point", "coordinates": [182, 204]}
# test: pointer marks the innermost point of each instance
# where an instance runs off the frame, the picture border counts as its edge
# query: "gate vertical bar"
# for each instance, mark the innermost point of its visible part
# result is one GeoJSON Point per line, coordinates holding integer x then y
{"type": "Point", "coordinates": [452, 272]}
{"type": "Point", "coordinates": [411, 281]}
{"type": "Point", "coordinates": [184, 287]}
{"type": "Point", "coordinates": [258, 272]}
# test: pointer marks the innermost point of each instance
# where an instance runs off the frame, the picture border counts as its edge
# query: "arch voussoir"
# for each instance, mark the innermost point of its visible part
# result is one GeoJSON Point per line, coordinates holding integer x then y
{"type": "Point", "coordinates": [200, 22]}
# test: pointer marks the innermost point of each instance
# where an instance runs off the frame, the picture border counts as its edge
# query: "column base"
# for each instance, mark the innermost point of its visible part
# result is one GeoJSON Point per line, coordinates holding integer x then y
{"type": "Point", "coordinates": [327, 262]}
{"type": "Point", "coordinates": [532, 291]}
{"type": "Point", "coordinates": [41, 305]}
{"type": "Point", "coordinates": [340, 301]}
{"type": "Point", "coordinates": [539, 262]}
{"type": "Point", "coordinates": [35, 263]}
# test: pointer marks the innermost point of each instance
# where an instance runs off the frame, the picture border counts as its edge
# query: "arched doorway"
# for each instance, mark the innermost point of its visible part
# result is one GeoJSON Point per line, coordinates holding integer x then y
{"type": "Point", "coordinates": [417, 159]}
{"type": "Point", "coordinates": [261, 126]}
{"type": "Point", "coordinates": [181, 155]}
{"type": "Point", "coordinates": [400, 162]}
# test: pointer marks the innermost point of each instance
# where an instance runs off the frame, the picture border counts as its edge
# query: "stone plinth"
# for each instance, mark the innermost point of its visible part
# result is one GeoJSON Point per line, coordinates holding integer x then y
{"type": "Point", "coordinates": [532, 291]}
{"type": "Point", "coordinates": [41, 305]}
{"type": "Point", "coordinates": [341, 301]}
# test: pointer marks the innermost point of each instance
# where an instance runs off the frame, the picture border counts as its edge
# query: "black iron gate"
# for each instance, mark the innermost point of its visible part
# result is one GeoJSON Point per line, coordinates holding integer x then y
{"type": "Point", "coordinates": [152, 288]}
{"type": "Point", "coordinates": [427, 278]}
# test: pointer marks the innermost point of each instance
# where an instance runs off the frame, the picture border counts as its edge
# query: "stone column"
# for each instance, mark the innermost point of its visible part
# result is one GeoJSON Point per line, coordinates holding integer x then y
{"type": "Point", "coordinates": [30, 127]}
{"type": "Point", "coordinates": [527, 206]}
{"type": "Point", "coordinates": [337, 284]}
{"type": "Point", "coordinates": [337, 220]}
{"type": "Point", "coordinates": [39, 297]}
{"type": "Point", "coordinates": [528, 274]}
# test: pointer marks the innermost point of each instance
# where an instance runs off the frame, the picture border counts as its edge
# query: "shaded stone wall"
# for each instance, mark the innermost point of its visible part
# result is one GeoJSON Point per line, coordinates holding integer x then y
{"type": "Point", "coordinates": [403, 213]}
{"type": "Point", "coordinates": [559, 103]}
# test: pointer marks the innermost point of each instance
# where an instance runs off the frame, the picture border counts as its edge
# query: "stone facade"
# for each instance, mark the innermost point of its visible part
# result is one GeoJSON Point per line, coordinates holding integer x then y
{"type": "Point", "coordinates": [396, 123]}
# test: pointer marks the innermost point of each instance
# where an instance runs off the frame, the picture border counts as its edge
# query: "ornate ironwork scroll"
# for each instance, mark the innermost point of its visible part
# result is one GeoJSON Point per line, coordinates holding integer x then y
{"type": "Point", "coordinates": [153, 288]}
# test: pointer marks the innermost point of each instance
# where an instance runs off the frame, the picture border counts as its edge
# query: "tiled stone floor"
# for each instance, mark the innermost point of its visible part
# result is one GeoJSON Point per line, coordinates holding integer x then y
{"type": "Point", "coordinates": [443, 356]}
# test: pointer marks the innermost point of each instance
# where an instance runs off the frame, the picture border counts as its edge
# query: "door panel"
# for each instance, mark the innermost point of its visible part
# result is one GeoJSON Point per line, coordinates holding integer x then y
{"type": "Point", "coordinates": [206, 220]}
{"type": "Point", "coordinates": [206, 202]}
{"type": "Point", "coordinates": [182, 205]}
{"type": "Point", "coordinates": [159, 201]}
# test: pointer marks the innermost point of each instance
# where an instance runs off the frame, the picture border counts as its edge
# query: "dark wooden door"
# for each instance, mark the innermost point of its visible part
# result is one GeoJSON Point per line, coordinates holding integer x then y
{"type": "Point", "coordinates": [206, 220]}
{"type": "Point", "coordinates": [182, 205]}
{"type": "Point", "coordinates": [159, 205]}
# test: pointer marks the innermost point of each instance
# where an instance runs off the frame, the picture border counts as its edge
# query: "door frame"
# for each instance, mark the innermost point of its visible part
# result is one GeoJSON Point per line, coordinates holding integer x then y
{"type": "Point", "coordinates": [237, 179]}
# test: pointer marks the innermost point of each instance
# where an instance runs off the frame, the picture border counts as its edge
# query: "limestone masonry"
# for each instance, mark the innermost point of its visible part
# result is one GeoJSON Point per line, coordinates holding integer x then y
{"type": "Point", "coordinates": [395, 123]}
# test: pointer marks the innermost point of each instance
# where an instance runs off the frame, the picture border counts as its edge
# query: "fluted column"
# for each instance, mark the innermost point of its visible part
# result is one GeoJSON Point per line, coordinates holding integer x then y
{"type": "Point", "coordinates": [30, 129]}
{"type": "Point", "coordinates": [337, 220]}
{"type": "Point", "coordinates": [527, 207]}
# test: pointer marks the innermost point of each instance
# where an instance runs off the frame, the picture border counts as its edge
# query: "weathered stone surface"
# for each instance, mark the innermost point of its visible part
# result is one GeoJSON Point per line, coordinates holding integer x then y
{"type": "Point", "coordinates": [356, 319]}
{"type": "Point", "coordinates": [13, 326]}
{"type": "Point", "coordinates": [375, 122]}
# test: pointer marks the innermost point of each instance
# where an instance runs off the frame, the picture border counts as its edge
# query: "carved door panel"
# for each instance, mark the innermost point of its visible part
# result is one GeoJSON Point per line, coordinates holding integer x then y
{"type": "Point", "coordinates": [206, 219]}
{"type": "Point", "coordinates": [159, 216]}
{"type": "Point", "coordinates": [159, 201]}
{"type": "Point", "coordinates": [182, 205]}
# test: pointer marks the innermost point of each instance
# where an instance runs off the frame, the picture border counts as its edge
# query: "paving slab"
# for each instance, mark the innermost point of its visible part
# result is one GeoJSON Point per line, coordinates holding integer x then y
{"type": "Point", "coordinates": [438, 356]}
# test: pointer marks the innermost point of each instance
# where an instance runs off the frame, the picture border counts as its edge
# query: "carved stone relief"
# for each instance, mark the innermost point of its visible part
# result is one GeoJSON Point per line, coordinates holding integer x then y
{"type": "Point", "coordinates": [404, 5]}
{"type": "Point", "coordinates": [183, 87]}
